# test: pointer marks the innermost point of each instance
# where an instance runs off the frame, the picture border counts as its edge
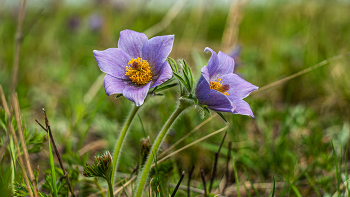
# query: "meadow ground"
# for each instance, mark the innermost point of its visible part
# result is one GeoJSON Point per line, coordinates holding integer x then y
{"type": "Point", "coordinates": [296, 119]}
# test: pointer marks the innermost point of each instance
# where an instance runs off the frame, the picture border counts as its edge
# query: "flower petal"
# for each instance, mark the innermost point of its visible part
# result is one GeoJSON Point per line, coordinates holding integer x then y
{"type": "Point", "coordinates": [242, 108]}
{"type": "Point", "coordinates": [112, 61]}
{"type": "Point", "coordinates": [164, 74]}
{"type": "Point", "coordinates": [156, 50]}
{"type": "Point", "coordinates": [218, 102]}
{"type": "Point", "coordinates": [205, 73]}
{"type": "Point", "coordinates": [213, 62]}
{"type": "Point", "coordinates": [132, 42]}
{"type": "Point", "coordinates": [239, 88]}
{"type": "Point", "coordinates": [202, 89]}
{"type": "Point", "coordinates": [136, 94]}
{"type": "Point", "coordinates": [114, 85]}
{"type": "Point", "coordinates": [226, 64]}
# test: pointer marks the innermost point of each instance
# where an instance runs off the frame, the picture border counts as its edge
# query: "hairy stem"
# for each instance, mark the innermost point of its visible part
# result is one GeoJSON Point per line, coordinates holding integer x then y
{"type": "Point", "coordinates": [184, 103]}
{"type": "Point", "coordinates": [121, 140]}
{"type": "Point", "coordinates": [110, 188]}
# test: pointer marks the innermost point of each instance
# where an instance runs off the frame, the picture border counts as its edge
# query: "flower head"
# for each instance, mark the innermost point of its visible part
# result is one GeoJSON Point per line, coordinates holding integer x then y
{"type": "Point", "coordinates": [137, 65]}
{"type": "Point", "coordinates": [222, 90]}
{"type": "Point", "coordinates": [101, 168]}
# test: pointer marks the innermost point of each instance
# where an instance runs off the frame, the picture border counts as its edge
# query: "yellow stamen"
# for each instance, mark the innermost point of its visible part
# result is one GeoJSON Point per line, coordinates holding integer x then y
{"type": "Point", "coordinates": [217, 85]}
{"type": "Point", "coordinates": [139, 71]}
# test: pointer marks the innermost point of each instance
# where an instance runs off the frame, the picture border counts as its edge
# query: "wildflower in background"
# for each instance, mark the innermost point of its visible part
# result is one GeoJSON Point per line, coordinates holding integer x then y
{"type": "Point", "coordinates": [74, 23]}
{"type": "Point", "coordinates": [234, 53]}
{"type": "Point", "coordinates": [220, 89]}
{"type": "Point", "coordinates": [137, 65]}
{"type": "Point", "coordinates": [95, 22]}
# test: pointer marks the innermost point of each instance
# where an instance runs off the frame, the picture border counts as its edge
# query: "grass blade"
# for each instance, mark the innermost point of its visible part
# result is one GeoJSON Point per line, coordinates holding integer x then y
{"type": "Point", "coordinates": [296, 191]}
{"type": "Point", "coordinates": [274, 187]}
{"type": "Point", "coordinates": [52, 165]}
{"type": "Point", "coordinates": [336, 168]}
{"type": "Point", "coordinates": [251, 182]}
{"type": "Point", "coordinates": [236, 176]}
{"type": "Point", "coordinates": [346, 171]}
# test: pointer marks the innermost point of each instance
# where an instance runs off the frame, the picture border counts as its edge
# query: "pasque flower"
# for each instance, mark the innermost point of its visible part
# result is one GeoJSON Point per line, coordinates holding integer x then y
{"type": "Point", "coordinates": [220, 89]}
{"type": "Point", "coordinates": [137, 65]}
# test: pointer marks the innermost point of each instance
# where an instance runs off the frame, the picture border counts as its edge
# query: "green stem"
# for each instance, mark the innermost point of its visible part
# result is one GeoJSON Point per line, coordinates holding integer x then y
{"type": "Point", "coordinates": [110, 188]}
{"type": "Point", "coordinates": [121, 140]}
{"type": "Point", "coordinates": [184, 103]}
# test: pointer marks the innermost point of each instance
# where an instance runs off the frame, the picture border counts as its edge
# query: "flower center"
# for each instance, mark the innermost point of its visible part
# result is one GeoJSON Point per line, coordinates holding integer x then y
{"type": "Point", "coordinates": [139, 71]}
{"type": "Point", "coordinates": [217, 85]}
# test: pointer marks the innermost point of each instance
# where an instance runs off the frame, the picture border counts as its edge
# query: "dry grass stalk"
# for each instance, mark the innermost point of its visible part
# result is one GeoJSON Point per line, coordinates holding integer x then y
{"type": "Point", "coordinates": [24, 146]}
{"type": "Point", "coordinates": [93, 145]}
{"type": "Point", "coordinates": [188, 134]}
{"type": "Point", "coordinates": [309, 69]}
{"type": "Point", "coordinates": [234, 18]}
{"type": "Point", "coordinates": [18, 45]}
{"type": "Point", "coordinates": [167, 19]}
{"type": "Point", "coordinates": [3, 148]}
{"type": "Point", "coordinates": [191, 144]}
{"type": "Point", "coordinates": [12, 130]}
{"type": "Point", "coordinates": [124, 185]}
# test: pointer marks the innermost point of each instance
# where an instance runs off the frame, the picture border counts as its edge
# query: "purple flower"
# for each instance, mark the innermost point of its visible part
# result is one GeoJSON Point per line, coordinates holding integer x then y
{"type": "Point", "coordinates": [137, 65]}
{"type": "Point", "coordinates": [221, 90]}
{"type": "Point", "coordinates": [95, 22]}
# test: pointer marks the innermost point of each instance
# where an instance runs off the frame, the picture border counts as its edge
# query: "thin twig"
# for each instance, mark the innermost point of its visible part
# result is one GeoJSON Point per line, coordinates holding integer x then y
{"type": "Point", "coordinates": [227, 166]}
{"type": "Point", "coordinates": [216, 162]}
{"type": "Point", "coordinates": [24, 146]}
{"type": "Point", "coordinates": [178, 184]}
{"type": "Point", "coordinates": [189, 180]}
{"type": "Point", "coordinates": [214, 171]}
{"type": "Point", "coordinates": [222, 142]}
{"type": "Point", "coordinates": [41, 125]}
{"type": "Point", "coordinates": [204, 184]}
{"type": "Point", "coordinates": [48, 129]}
{"type": "Point", "coordinates": [12, 130]}
{"type": "Point", "coordinates": [192, 189]}
{"type": "Point", "coordinates": [18, 45]}
{"type": "Point", "coordinates": [134, 170]}
{"type": "Point", "coordinates": [188, 134]}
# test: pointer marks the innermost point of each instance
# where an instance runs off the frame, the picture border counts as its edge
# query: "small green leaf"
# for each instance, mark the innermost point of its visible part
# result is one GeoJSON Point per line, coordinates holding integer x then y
{"type": "Point", "coordinates": [182, 81]}
{"type": "Point", "coordinates": [173, 64]}
{"type": "Point", "coordinates": [206, 110]}
{"type": "Point", "coordinates": [221, 115]}
{"type": "Point", "coordinates": [189, 72]}
{"type": "Point", "coordinates": [119, 95]}
{"type": "Point", "coordinates": [52, 165]}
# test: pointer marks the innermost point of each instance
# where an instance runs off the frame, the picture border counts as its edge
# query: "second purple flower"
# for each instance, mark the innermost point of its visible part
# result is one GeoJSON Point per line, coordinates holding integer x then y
{"type": "Point", "coordinates": [137, 65]}
{"type": "Point", "coordinates": [221, 90]}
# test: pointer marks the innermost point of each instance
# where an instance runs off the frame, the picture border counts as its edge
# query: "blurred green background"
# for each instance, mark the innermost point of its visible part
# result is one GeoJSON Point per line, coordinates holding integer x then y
{"type": "Point", "coordinates": [295, 122]}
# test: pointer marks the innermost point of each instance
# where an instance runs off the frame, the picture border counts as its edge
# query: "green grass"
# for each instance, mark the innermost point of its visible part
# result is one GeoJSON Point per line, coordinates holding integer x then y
{"type": "Point", "coordinates": [290, 139]}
